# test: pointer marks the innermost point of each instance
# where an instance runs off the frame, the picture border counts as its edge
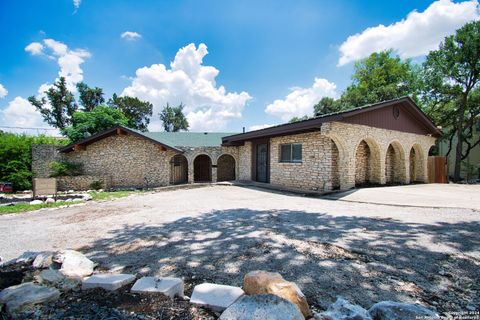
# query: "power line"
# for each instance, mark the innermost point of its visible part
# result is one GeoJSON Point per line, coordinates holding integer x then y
{"type": "Point", "coordinates": [28, 128]}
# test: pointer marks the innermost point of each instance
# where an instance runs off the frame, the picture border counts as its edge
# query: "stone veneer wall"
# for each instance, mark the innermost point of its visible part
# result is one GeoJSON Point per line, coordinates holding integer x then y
{"type": "Point", "coordinates": [82, 182]}
{"type": "Point", "coordinates": [130, 161]}
{"type": "Point", "coordinates": [42, 155]}
{"type": "Point", "coordinates": [245, 162]}
{"type": "Point", "coordinates": [315, 172]}
{"type": "Point", "coordinates": [363, 163]}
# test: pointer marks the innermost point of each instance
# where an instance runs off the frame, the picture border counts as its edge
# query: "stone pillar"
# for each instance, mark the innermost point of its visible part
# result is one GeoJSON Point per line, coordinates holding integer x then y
{"type": "Point", "coordinates": [214, 173]}
{"type": "Point", "coordinates": [190, 171]}
{"type": "Point", "coordinates": [407, 170]}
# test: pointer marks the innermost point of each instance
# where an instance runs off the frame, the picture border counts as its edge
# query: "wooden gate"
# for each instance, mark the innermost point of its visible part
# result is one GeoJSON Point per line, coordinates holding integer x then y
{"type": "Point", "coordinates": [202, 168]}
{"type": "Point", "coordinates": [178, 169]}
{"type": "Point", "coordinates": [437, 169]}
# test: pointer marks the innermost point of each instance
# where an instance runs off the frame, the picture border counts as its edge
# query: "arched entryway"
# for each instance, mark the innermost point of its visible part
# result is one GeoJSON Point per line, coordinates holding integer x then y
{"type": "Point", "coordinates": [363, 164]}
{"type": "Point", "coordinates": [225, 168]}
{"type": "Point", "coordinates": [416, 164]}
{"type": "Point", "coordinates": [178, 169]}
{"type": "Point", "coordinates": [395, 164]}
{"type": "Point", "coordinates": [335, 159]}
{"type": "Point", "coordinates": [202, 168]}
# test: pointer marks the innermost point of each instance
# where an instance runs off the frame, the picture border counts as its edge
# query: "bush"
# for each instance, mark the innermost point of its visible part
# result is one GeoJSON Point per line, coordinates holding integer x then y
{"type": "Point", "coordinates": [65, 168]}
{"type": "Point", "coordinates": [16, 157]}
{"type": "Point", "coordinates": [96, 185]}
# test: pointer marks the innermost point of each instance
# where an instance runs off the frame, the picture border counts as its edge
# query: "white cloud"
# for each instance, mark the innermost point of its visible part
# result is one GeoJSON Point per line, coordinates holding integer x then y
{"type": "Point", "coordinates": [416, 35]}
{"type": "Point", "coordinates": [260, 126]}
{"type": "Point", "coordinates": [76, 4]}
{"type": "Point", "coordinates": [3, 91]}
{"type": "Point", "coordinates": [207, 106]}
{"type": "Point", "coordinates": [35, 48]}
{"type": "Point", "coordinates": [130, 35]}
{"type": "Point", "coordinates": [300, 101]}
{"type": "Point", "coordinates": [68, 60]}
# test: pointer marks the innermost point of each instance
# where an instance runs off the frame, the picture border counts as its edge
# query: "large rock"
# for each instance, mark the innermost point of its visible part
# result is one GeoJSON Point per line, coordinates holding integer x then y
{"type": "Point", "coordinates": [36, 202]}
{"type": "Point", "coordinates": [74, 264]}
{"type": "Point", "coordinates": [261, 282]}
{"type": "Point", "coordinates": [262, 307]}
{"type": "Point", "coordinates": [343, 310]}
{"type": "Point", "coordinates": [50, 276]}
{"type": "Point", "coordinates": [43, 260]}
{"type": "Point", "coordinates": [168, 286]}
{"type": "Point", "coordinates": [215, 296]}
{"type": "Point", "coordinates": [390, 310]}
{"type": "Point", "coordinates": [26, 294]}
{"type": "Point", "coordinates": [26, 257]}
{"type": "Point", "coordinates": [107, 281]}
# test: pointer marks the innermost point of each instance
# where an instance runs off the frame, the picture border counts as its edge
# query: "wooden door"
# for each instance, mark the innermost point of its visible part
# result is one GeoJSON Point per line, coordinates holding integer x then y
{"type": "Point", "coordinates": [262, 162]}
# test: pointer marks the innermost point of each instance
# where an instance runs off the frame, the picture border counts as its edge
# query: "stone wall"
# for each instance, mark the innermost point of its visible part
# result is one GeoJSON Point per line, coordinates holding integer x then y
{"type": "Point", "coordinates": [245, 161]}
{"type": "Point", "coordinates": [363, 164]}
{"type": "Point", "coordinates": [42, 155]}
{"type": "Point", "coordinates": [83, 182]}
{"type": "Point", "coordinates": [317, 169]}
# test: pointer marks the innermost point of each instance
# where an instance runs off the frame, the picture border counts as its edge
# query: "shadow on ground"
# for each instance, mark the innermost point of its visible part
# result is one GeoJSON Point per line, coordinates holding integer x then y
{"type": "Point", "coordinates": [365, 260]}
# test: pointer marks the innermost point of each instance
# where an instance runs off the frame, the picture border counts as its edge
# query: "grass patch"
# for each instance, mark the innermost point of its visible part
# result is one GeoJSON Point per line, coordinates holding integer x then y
{"type": "Point", "coordinates": [24, 207]}
{"type": "Point", "coordinates": [107, 195]}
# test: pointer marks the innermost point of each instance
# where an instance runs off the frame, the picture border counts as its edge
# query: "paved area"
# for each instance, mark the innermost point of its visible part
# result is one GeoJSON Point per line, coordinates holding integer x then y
{"type": "Point", "coordinates": [364, 252]}
{"type": "Point", "coordinates": [420, 195]}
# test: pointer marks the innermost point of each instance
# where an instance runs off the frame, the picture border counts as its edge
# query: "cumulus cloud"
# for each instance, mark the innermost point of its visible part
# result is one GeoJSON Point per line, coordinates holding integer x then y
{"type": "Point", "coordinates": [76, 4]}
{"type": "Point", "coordinates": [130, 35]}
{"type": "Point", "coordinates": [35, 48]}
{"type": "Point", "coordinates": [416, 35]}
{"type": "Point", "coordinates": [300, 101]}
{"type": "Point", "coordinates": [207, 106]}
{"type": "Point", "coordinates": [68, 60]}
{"type": "Point", "coordinates": [259, 127]}
{"type": "Point", "coordinates": [3, 91]}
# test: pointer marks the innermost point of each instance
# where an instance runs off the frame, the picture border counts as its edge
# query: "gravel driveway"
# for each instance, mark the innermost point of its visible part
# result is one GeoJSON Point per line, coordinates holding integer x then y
{"type": "Point", "coordinates": [364, 252]}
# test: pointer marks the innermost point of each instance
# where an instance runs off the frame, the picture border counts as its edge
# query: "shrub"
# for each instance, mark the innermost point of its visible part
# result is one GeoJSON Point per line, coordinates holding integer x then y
{"type": "Point", "coordinates": [65, 168]}
{"type": "Point", "coordinates": [96, 185]}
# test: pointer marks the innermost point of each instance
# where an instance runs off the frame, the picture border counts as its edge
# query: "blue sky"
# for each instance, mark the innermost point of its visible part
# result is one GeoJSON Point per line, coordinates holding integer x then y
{"type": "Point", "coordinates": [267, 61]}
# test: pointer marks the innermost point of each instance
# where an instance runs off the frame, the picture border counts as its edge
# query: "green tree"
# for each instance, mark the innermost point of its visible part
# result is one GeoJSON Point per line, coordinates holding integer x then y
{"type": "Point", "coordinates": [138, 112]}
{"type": "Point", "coordinates": [89, 97]}
{"type": "Point", "coordinates": [297, 119]}
{"type": "Point", "coordinates": [381, 77]}
{"type": "Point", "coordinates": [99, 119]}
{"type": "Point", "coordinates": [451, 88]}
{"type": "Point", "coordinates": [173, 118]}
{"type": "Point", "coordinates": [58, 107]}
{"type": "Point", "coordinates": [326, 105]}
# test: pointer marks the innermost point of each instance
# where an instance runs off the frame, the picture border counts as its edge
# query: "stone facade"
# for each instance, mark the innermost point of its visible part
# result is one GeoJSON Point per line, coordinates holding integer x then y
{"type": "Point", "coordinates": [82, 182]}
{"type": "Point", "coordinates": [42, 155]}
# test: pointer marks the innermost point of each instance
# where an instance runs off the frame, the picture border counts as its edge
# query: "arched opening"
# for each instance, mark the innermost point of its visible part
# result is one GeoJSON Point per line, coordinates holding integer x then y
{"type": "Point", "coordinates": [363, 164]}
{"type": "Point", "coordinates": [394, 164]}
{"type": "Point", "coordinates": [334, 166]}
{"type": "Point", "coordinates": [416, 161]}
{"type": "Point", "coordinates": [225, 168]}
{"type": "Point", "coordinates": [178, 169]}
{"type": "Point", "coordinates": [202, 169]}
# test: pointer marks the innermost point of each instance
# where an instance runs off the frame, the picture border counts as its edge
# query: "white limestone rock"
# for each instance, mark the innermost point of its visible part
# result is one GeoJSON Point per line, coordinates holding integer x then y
{"type": "Point", "coordinates": [390, 310]}
{"type": "Point", "coordinates": [26, 294]}
{"type": "Point", "coordinates": [43, 260]}
{"type": "Point", "coordinates": [262, 307]}
{"type": "Point", "coordinates": [343, 310]}
{"type": "Point", "coordinates": [49, 200]}
{"type": "Point", "coordinates": [74, 264]}
{"type": "Point", "coordinates": [216, 297]}
{"type": "Point", "coordinates": [36, 202]}
{"type": "Point", "coordinates": [168, 286]}
{"type": "Point", "coordinates": [107, 281]}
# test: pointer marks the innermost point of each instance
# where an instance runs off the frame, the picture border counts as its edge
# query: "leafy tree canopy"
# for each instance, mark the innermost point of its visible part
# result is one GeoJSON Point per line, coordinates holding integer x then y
{"type": "Point", "coordinates": [89, 97]}
{"type": "Point", "coordinates": [138, 112]}
{"type": "Point", "coordinates": [59, 105]}
{"type": "Point", "coordinates": [99, 119]}
{"type": "Point", "coordinates": [173, 118]}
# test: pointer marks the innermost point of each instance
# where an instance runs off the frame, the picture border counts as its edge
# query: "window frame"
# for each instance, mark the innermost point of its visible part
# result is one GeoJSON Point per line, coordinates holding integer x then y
{"type": "Point", "coordinates": [291, 160]}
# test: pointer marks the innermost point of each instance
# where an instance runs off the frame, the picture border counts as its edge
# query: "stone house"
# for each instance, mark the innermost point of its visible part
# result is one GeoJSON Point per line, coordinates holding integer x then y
{"type": "Point", "coordinates": [382, 143]}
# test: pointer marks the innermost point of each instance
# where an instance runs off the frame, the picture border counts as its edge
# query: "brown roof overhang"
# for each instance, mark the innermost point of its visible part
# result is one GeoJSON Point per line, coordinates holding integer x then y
{"type": "Point", "coordinates": [316, 123]}
{"type": "Point", "coordinates": [110, 132]}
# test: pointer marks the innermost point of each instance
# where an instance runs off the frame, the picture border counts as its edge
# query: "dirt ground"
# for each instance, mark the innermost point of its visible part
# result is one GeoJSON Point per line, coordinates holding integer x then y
{"type": "Point", "coordinates": [363, 252]}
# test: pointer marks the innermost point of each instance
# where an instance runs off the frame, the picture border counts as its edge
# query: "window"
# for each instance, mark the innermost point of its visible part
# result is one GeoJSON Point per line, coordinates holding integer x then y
{"type": "Point", "coordinates": [291, 152]}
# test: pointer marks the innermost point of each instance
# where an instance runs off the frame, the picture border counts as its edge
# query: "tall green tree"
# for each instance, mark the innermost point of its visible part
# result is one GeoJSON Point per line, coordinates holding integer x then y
{"type": "Point", "coordinates": [89, 97]}
{"type": "Point", "coordinates": [58, 107]}
{"type": "Point", "coordinates": [173, 118]}
{"type": "Point", "coordinates": [326, 105]}
{"type": "Point", "coordinates": [451, 88]}
{"type": "Point", "coordinates": [138, 112]}
{"type": "Point", "coordinates": [381, 76]}
{"type": "Point", "coordinates": [97, 120]}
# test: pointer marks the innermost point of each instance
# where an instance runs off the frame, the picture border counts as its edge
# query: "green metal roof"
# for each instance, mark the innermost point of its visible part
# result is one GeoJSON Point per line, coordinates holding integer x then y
{"type": "Point", "coordinates": [188, 139]}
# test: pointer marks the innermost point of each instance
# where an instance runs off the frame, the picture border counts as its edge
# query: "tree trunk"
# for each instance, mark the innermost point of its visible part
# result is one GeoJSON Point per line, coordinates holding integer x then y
{"type": "Point", "coordinates": [459, 149]}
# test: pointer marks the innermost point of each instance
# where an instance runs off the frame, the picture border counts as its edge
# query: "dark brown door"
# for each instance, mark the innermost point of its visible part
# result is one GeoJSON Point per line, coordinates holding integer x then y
{"type": "Point", "coordinates": [202, 169]}
{"type": "Point", "coordinates": [262, 162]}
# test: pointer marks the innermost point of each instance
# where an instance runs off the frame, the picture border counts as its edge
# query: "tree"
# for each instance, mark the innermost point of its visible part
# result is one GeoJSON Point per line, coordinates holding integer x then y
{"type": "Point", "coordinates": [61, 105]}
{"type": "Point", "coordinates": [138, 112]}
{"type": "Point", "coordinates": [380, 77]}
{"type": "Point", "coordinates": [89, 97]}
{"type": "Point", "coordinates": [297, 119]}
{"type": "Point", "coordinates": [451, 88]}
{"type": "Point", "coordinates": [326, 105]}
{"type": "Point", "coordinates": [173, 118]}
{"type": "Point", "coordinates": [99, 119]}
